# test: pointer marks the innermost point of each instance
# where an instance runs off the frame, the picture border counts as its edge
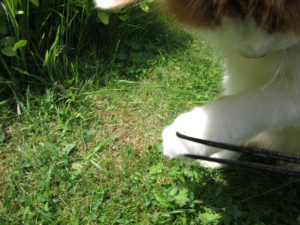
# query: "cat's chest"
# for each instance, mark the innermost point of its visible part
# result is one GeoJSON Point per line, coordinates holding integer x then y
{"type": "Point", "coordinates": [241, 75]}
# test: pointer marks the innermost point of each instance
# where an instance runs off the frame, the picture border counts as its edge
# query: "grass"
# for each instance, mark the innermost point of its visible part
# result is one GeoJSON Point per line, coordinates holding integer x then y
{"type": "Point", "coordinates": [89, 151]}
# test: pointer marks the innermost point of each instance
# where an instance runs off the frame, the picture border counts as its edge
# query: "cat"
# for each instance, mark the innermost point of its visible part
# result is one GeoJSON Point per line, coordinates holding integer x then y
{"type": "Point", "coordinates": [260, 41]}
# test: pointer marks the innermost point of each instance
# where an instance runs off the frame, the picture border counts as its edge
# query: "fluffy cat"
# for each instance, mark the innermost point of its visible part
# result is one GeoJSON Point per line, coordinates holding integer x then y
{"type": "Point", "coordinates": [260, 41]}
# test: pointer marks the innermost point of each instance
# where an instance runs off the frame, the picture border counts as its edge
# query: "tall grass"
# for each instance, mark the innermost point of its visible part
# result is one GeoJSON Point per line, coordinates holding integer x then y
{"type": "Point", "coordinates": [47, 42]}
{"type": "Point", "coordinates": [34, 38]}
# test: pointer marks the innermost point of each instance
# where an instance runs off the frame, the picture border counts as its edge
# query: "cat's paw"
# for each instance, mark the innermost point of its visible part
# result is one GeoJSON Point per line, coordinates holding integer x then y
{"type": "Point", "coordinates": [194, 124]}
{"type": "Point", "coordinates": [223, 154]}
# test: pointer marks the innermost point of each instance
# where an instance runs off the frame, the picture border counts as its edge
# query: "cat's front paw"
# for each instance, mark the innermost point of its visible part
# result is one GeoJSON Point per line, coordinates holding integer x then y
{"type": "Point", "coordinates": [198, 123]}
{"type": "Point", "coordinates": [194, 124]}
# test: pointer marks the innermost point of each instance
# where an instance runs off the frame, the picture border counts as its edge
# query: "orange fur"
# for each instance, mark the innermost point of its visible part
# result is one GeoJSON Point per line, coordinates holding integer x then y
{"type": "Point", "coordinates": [271, 15]}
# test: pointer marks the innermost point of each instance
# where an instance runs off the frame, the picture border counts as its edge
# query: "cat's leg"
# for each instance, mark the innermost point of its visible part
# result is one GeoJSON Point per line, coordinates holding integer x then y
{"type": "Point", "coordinates": [232, 119]}
{"type": "Point", "coordinates": [283, 140]}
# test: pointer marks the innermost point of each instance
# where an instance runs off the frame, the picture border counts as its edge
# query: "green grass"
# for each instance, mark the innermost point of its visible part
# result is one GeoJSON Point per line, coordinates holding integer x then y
{"type": "Point", "coordinates": [89, 151]}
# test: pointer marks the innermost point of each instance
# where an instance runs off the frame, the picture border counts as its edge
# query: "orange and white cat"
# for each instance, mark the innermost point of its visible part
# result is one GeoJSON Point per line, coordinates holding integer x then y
{"type": "Point", "coordinates": [260, 41]}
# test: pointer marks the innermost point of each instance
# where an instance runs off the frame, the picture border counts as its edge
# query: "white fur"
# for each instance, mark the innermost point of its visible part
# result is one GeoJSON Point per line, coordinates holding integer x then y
{"type": "Point", "coordinates": [261, 105]}
{"type": "Point", "coordinates": [110, 4]}
{"type": "Point", "coordinates": [105, 4]}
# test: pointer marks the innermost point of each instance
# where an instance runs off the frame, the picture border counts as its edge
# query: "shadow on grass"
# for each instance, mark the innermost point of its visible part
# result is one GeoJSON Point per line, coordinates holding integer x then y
{"type": "Point", "coordinates": [128, 50]}
{"type": "Point", "coordinates": [132, 49]}
{"type": "Point", "coordinates": [243, 196]}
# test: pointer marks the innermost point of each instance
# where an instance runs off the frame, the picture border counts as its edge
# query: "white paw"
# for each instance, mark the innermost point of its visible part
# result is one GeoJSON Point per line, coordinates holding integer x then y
{"type": "Point", "coordinates": [194, 124]}
{"type": "Point", "coordinates": [197, 123]}
{"type": "Point", "coordinates": [222, 154]}
{"type": "Point", "coordinates": [212, 165]}
{"type": "Point", "coordinates": [111, 4]}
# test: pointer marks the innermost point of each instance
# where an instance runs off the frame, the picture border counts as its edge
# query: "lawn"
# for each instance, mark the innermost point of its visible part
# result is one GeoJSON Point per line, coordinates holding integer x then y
{"type": "Point", "coordinates": [88, 151]}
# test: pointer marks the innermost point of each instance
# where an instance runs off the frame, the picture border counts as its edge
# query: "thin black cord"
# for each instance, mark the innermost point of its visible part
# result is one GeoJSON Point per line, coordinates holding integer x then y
{"type": "Point", "coordinates": [251, 165]}
{"type": "Point", "coordinates": [238, 148]}
{"type": "Point", "coordinates": [254, 151]}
